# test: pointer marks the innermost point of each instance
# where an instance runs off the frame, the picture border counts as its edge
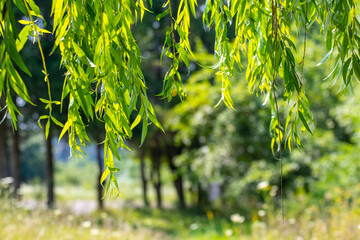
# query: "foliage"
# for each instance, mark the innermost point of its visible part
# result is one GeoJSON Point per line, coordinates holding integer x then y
{"type": "Point", "coordinates": [218, 145]}
{"type": "Point", "coordinates": [104, 79]}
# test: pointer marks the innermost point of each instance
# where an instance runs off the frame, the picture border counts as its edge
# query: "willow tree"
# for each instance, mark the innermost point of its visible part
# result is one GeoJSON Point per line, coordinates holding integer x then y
{"type": "Point", "coordinates": [104, 79]}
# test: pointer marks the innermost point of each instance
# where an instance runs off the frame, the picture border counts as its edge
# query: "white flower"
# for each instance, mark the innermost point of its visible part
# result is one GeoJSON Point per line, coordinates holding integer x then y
{"type": "Point", "coordinates": [228, 232]}
{"type": "Point", "coordinates": [95, 231]}
{"type": "Point", "coordinates": [193, 226]}
{"type": "Point", "coordinates": [237, 218]}
{"type": "Point", "coordinates": [261, 213]}
{"type": "Point", "coordinates": [86, 224]}
{"type": "Point", "coordinates": [262, 185]}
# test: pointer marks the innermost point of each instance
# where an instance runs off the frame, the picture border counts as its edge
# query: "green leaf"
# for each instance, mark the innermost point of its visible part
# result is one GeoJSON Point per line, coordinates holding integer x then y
{"type": "Point", "coordinates": [329, 36]}
{"type": "Point", "coordinates": [345, 69]}
{"type": "Point", "coordinates": [116, 186]}
{"type": "Point", "coordinates": [325, 58]}
{"type": "Point", "coordinates": [183, 55]}
{"type": "Point", "coordinates": [351, 16]}
{"type": "Point", "coordinates": [78, 50]}
{"type": "Point", "coordinates": [57, 122]}
{"type": "Point", "coordinates": [106, 189]}
{"type": "Point", "coordinates": [44, 100]}
{"type": "Point", "coordinates": [104, 175]}
{"type": "Point", "coordinates": [155, 121]}
{"type": "Point", "coordinates": [12, 109]}
{"type": "Point", "coordinates": [289, 116]}
{"type": "Point", "coordinates": [34, 7]}
{"type": "Point", "coordinates": [14, 55]}
{"type": "Point", "coordinates": [17, 83]}
{"type": "Point", "coordinates": [65, 128]}
{"type": "Point", "coordinates": [23, 37]}
{"type": "Point", "coordinates": [138, 118]}
{"type": "Point", "coordinates": [112, 143]}
{"type": "Point", "coordinates": [356, 66]}
{"type": "Point", "coordinates": [144, 131]}
{"type": "Point", "coordinates": [57, 9]}
{"type": "Point", "coordinates": [41, 118]}
{"type": "Point", "coordinates": [192, 4]}
{"type": "Point", "coordinates": [304, 121]}
{"type": "Point", "coordinates": [11, 31]}
{"type": "Point", "coordinates": [47, 128]}
{"type": "Point", "coordinates": [20, 5]}
{"type": "Point", "coordinates": [163, 14]}
{"type": "Point", "coordinates": [90, 11]}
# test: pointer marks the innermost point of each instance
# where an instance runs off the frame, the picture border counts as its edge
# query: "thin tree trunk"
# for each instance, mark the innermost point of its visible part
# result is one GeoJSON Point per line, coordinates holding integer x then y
{"type": "Point", "coordinates": [49, 165]}
{"type": "Point", "coordinates": [178, 182]}
{"type": "Point", "coordinates": [4, 163]}
{"type": "Point", "coordinates": [16, 166]}
{"type": "Point", "coordinates": [143, 178]}
{"type": "Point", "coordinates": [99, 186]}
{"type": "Point", "coordinates": [158, 189]}
{"type": "Point", "coordinates": [156, 176]}
{"type": "Point", "coordinates": [202, 197]}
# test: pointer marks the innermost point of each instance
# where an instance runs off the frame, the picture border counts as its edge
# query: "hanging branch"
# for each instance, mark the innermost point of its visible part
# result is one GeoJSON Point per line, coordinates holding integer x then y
{"type": "Point", "coordinates": [279, 134]}
{"type": "Point", "coordinates": [47, 102]}
{"type": "Point", "coordinates": [303, 58]}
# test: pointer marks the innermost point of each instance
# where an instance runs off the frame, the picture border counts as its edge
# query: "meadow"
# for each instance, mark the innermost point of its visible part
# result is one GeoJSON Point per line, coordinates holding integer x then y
{"type": "Point", "coordinates": [76, 217]}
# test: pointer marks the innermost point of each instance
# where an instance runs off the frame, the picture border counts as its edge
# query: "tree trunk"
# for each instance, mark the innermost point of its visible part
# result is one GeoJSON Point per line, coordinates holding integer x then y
{"type": "Point", "coordinates": [99, 186]}
{"type": "Point", "coordinates": [178, 182]}
{"type": "Point", "coordinates": [156, 176]}
{"type": "Point", "coordinates": [16, 166]}
{"type": "Point", "coordinates": [49, 165]}
{"type": "Point", "coordinates": [202, 197]}
{"type": "Point", "coordinates": [4, 163]}
{"type": "Point", "coordinates": [143, 178]}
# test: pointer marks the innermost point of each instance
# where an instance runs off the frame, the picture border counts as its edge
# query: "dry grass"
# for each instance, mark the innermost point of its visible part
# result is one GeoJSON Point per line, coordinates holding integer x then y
{"type": "Point", "coordinates": [336, 222]}
{"type": "Point", "coordinates": [20, 224]}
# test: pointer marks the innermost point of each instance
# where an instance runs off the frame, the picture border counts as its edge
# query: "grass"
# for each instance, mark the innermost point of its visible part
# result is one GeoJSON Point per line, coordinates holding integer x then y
{"type": "Point", "coordinates": [19, 224]}
{"type": "Point", "coordinates": [124, 219]}
{"type": "Point", "coordinates": [339, 222]}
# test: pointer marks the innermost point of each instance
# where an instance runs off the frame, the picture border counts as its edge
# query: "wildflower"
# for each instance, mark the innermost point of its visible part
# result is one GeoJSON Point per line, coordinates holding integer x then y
{"type": "Point", "coordinates": [193, 226]}
{"type": "Point", "coordinates": [86, 224]}
{"type": "Point", "coordinates": [237, 218]}
{"type": "Point", "coordinates": [95, 231]}
{"type": "Point", "coordinates": [228, 232]}
{"type": "Point", "coordinates": [261, 213]}
{"type": "Point", "coordinates": [263, 185]}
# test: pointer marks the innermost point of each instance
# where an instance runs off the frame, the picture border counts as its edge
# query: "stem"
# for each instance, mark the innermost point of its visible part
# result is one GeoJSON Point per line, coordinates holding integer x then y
{"type": "Point", "coordinates": [41, 53]}
{"type": "Point", "coordinates": [303, 59]}
{"type": "Point", "coordinates": [172, 32]}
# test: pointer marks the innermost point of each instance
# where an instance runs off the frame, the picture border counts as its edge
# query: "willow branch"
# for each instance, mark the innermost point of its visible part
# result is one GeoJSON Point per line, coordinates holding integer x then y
{"type": "Point", "coordinates": [275, 33]}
